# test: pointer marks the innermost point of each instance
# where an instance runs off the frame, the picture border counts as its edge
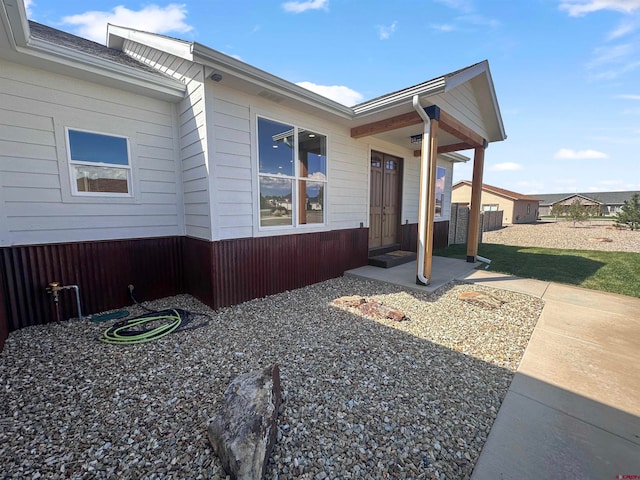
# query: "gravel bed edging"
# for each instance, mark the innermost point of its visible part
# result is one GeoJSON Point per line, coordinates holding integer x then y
{"type": "Point", "coordinates": [362, 399]}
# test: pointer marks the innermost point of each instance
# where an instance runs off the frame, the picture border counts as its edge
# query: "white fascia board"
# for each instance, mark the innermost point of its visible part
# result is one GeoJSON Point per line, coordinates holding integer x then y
{"type": "Point", "coordinates": [15, 20]}
{"type": "Point", "coordinates": [225, 64]}
{"type": "Point", "coordinates": [388, 101]}
{"type": "Point", "coordinates": [180, 48]}
{"type": "Point", "coordinates": [455, 157]}
{"type": "Point", "coordinates": [90, 64]}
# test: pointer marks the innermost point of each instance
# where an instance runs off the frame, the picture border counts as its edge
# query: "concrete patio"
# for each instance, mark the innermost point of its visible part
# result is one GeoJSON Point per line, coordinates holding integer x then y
{"type": "Point", "coordinates": [573, 409]}
{"type": "Point", "coordinates": [444, 270]}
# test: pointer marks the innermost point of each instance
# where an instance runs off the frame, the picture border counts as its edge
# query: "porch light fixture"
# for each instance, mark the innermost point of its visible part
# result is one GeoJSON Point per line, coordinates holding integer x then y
{"type": "Point", "coordinates": [416, 138]}
{"type": "Point", "coordinates": [216, 77]}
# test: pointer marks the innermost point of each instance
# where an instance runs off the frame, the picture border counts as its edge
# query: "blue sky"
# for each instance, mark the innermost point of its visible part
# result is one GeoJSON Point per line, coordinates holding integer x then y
{"type": "Point", "coordinates": [566, 72]}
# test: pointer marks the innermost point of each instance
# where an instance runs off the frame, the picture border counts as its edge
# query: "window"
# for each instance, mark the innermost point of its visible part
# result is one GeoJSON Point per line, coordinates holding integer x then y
{"type": "Point", "coordinates": [99, 164]}
{"type": "Point", "coordinates": [492, 207]}
{"type": "Point", "coordinates": [528, 209]}
{"type": "Point", "coordinates": [440, 177]}
{"type": "Point", "coordinates": [292, 170]}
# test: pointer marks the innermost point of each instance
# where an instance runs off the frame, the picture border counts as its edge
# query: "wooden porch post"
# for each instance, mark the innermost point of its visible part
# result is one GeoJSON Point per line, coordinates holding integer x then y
{"type": "Point", "coordinates": [474, 213]}
{"type": "Point", "coordinates": [431, 197]}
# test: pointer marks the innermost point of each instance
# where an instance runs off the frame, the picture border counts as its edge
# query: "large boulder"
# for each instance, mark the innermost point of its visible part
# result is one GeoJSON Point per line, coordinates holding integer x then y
{"type": "Point", "coordinates": [244, 431]}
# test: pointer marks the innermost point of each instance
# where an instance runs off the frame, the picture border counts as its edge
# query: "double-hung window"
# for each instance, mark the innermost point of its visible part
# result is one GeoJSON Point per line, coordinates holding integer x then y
{"type": "Point", "coordinates": [292, 170]}
{"type": "Point", "coordinates": [99, 164]}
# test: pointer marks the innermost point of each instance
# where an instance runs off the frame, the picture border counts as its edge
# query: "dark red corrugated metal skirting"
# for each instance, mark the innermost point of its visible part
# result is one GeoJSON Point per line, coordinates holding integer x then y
{"type": "Point", "coordinates": [409, 236]}
{"type": "Point", "coordinates": [218, 273]}
{"type": "Point", "coordinates": [102, 270]}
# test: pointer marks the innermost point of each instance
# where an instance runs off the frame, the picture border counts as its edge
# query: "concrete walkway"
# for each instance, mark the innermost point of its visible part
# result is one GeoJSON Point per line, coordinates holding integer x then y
{"type": "Point", "coordinates": [573, 408]}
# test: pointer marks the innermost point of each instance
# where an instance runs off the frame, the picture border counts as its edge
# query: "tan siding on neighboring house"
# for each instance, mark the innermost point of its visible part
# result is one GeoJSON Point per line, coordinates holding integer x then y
{"type": "Point", "coordinates": [35, 184]}
{"type": "Point", "coordinates": [515, 211]}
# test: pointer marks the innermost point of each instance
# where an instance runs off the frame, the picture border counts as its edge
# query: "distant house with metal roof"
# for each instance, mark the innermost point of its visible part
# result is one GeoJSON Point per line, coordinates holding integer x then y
{"type": "Point", "coordinates": [608, 203]}
{"type": "Point", "coordinates": [517, 208]}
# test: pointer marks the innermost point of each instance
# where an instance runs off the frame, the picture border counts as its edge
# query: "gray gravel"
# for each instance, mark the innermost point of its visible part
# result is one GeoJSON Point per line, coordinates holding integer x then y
{"type": "Point", "coordinates": [363, 399]}
{"type": "Point", "coordinates": [593, 235]}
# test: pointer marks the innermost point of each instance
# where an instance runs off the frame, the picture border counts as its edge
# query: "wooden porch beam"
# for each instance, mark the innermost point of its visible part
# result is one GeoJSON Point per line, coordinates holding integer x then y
{"type": "Point", "coordinates": [393, 123]}
{"type": "Point", "coordinates": [455, 147]}
{"type": "Point", "coordinates": [458, 130]}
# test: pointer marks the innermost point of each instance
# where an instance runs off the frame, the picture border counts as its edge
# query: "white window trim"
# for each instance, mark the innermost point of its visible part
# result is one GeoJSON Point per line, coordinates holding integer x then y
{"type": "Point", "coordinates": [295, 226]}
{"type": "Point", "coordinates": [71, 163]}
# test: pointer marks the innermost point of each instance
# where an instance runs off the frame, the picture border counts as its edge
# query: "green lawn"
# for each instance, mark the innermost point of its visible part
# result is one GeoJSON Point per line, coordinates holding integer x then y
{"type": "Point", "coordinates": [617, 272]}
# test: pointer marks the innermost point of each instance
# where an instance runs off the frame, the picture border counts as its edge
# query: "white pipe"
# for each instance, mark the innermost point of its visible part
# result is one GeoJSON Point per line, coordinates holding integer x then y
{"type": "Point", "coordinates": [77, 291]}
{"type": "Point", "coordinates": [424, 181]}
{"type": "Point", "coordinates": [484, 260]}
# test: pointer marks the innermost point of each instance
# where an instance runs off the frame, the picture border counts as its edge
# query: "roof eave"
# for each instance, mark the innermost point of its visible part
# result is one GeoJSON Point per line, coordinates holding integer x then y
{"type": "Point", "coordinates": [432, 87]}
{"type": "Point", "coordinates": [227, 64]}
{"type": "Point", "coordinates": [165, 87]}
{"type": "Point", "coordinates": [15, 18]}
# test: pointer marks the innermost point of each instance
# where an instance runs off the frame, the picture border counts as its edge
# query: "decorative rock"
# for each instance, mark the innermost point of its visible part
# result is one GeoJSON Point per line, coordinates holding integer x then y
{"type": "Point", "coordinates": [481, 299]}
{"type": "Point", "coordinates": [244, 430]}
{"type": "Point", "coordinates": [371, 308]}
{"type": "Point", "coordinates": [350, 301]}
{"type": "Point", "coordinates": [378, 310]}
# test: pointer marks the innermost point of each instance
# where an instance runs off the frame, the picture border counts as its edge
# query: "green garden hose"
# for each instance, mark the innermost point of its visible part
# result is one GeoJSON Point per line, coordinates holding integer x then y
{"type": "Point", "coordinates": [133, 330]}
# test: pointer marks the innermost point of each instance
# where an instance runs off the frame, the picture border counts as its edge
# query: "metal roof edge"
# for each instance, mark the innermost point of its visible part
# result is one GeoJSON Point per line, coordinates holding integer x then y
{"type": "Point", "coordinates": [225, 63]}
{"type": "Point", "coordinates": [455, 157]}
{"type": "Point", "coordinates": [431, 87]}
{"type": "Point", "coordinates": [116, 35]}
{"type": "Point", "coordinates": [15, 18]}
{"type": "Point", "coordinates": [89, 63]}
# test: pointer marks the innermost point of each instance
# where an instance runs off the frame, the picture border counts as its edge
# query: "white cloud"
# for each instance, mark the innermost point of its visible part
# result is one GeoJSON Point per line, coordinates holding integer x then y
{"type": "Point", "coordinates": [299, 7]}
{"type": "Point", "coordinates": [479, 20]}
{"type": "Point", "coordinates": [152, 18]}
{"type": "Point", "coordinates": [445, 27]}
{"type": "Point", "coordinates": [505, 167]}
{"type": "Point", "coordinates": [570, 154]}
{"type": "Point", "coordinates": [338, 93]}
{"type": "Point", "coordinates": [578, 8]}
{"type": "Point", "coordinates": [464, 5]}
{"type": "Point", "coordinates": [28, 4]}
{"type": "Point", "coordinates": [611, 62]}
{"type": "Point", "coordinates": [628, 97]}
{"type": "Point", "coordinates": [384, 32]}
{"type": "Point", "coordinates": [626, 27]}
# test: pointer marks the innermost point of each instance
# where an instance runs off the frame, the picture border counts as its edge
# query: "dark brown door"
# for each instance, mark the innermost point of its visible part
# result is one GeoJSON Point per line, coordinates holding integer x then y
{"type": "Point", "coordinates": [384, 216]}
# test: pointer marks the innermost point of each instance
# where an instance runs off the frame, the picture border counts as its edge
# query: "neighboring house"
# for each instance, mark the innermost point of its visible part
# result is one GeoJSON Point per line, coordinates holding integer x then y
{"type": "Point", "coordinates": [173, 167]}
{"type": "Point", "coordinates": [517, 208]}
{"type": "Point", "coordinates": [606, 203]}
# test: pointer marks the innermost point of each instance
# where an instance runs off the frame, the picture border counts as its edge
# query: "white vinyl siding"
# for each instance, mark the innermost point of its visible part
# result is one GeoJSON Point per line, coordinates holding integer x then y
{"type": "Point", "coordinates": [192, 126]}
{"type": "Point", "coordinates": [35, 189]}
{"type": "Point", "coordinates": [411, 189]}
{"type": "Point", "coordinates": [235, 166]}
{"type": "Point", "coordinates": [462, 103]}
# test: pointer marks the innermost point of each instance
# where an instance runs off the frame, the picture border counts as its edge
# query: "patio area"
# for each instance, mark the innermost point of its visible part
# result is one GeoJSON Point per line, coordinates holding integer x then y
{"type": "Point", "coordinates": [444, 270]}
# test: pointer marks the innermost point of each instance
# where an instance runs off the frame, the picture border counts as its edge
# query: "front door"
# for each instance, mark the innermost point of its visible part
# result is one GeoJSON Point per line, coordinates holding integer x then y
{"type": "Point", "coordinates": [384, 210]}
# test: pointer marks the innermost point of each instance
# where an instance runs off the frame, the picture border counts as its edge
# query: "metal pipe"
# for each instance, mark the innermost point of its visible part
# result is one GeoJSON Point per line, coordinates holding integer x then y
{"type": "Point", "coordinates": [54, 288]}
{"type": "Point", "coordinates": [424, 179]}
{"type": "Point", "coordinates": [77, 290]}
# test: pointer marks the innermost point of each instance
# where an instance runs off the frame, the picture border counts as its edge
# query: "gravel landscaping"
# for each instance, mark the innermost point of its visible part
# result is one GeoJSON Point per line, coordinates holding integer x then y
{"type": "Point", "coordinates": [595, 235]}
{"type": "Point", "coordinates": [362, 398]}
